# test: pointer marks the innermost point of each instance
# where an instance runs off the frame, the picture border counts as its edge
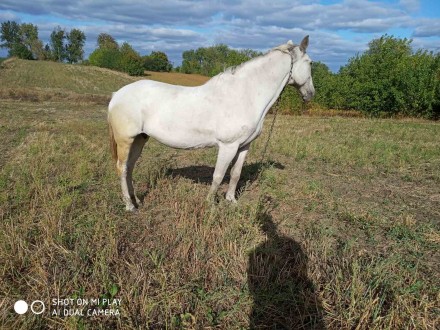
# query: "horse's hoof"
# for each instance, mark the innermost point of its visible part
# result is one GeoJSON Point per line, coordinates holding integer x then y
{"type": "Point", "coordinates": [210, 198]}
{"type": "Point", "coordinates": [231, 199]}
{"type": "Point", "coordinates": [131, 208]}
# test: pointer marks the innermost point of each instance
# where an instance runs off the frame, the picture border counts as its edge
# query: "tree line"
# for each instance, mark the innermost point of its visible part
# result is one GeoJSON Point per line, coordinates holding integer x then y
{"type": "Point", "coordinates": [111, 55]}
{"type": "Point", "coordinates": [22, 41]}
{"type": "Point", "coordinates": [389, 78]}
{"type": "Point", "coordinates": [210, 61]}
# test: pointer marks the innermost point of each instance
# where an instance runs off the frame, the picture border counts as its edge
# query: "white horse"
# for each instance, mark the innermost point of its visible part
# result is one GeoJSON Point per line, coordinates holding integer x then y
{"type": "Point", "coordinates": [227, 111]}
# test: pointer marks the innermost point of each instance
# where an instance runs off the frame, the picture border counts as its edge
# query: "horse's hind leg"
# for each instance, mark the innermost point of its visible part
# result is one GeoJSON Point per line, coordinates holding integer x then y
{"type": "Point", "coordinates": [128, 152]}
{"type": "Point", "coordinates": [135, 151]}
{"type": "Point", "coordinates": [122, 166]}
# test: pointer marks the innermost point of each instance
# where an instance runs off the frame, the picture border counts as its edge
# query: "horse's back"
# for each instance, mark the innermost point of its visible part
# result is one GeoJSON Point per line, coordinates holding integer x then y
{"type": "Point", "coordinates": [184, 117]}
{"type": "Point", "coordinates": [141, 90]}
{"type": "Point", "coordinates": [175, 115]}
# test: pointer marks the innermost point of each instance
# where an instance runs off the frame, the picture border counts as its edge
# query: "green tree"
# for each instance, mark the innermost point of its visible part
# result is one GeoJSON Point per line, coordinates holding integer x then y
{"type": "Point", "coordinates": [234, 57]}
{"type": "Point", "coordinates": [10, 35]}
{"type": "Point", "coordinates": [105, 58]}
{"type": "Point", "coordinates": [130, 61]}
{"type": "Point", "coordinates": [322, 80]}
{"type": "Point", "coordinates": [157, 61]}
{"type": "Point", "coordinates": [190, 64]}
{"type": "Point", "coordinates": [290, 101]}
{"type": "Point", "coordinates": [107, 55]}
{"type": "Point", "coordinates": [29, 38]}
{"type": "Point", "coordinates": [75, 44]}
{"type": "Point", "coordinates": [210, 61]}
{"type": "Point", "coordinates": [436, 103]}
{"type": "Point", "coordinates": [415, 84]}
{"type": "Point", "coordinates": [21, 40]}
{"type": "Point", "coordinates": [47, 52]}
{"type": "Point", "coordinates": [389, 78]}
{"type": "Point", "coordinates": [58, 51]}
{"type": "Point", "coordinates": [105, 40]}
{"type": "Point", "coordinates": [110, 55]}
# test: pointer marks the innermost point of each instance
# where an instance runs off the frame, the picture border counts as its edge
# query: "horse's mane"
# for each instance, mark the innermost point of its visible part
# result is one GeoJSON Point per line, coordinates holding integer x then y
{"type": "Point", "coordinates": [287, 47]}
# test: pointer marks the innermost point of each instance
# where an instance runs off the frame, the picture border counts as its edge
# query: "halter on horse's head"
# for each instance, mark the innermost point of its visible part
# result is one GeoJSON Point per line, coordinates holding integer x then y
{"type": "Point", "coordinates": [301, 68]}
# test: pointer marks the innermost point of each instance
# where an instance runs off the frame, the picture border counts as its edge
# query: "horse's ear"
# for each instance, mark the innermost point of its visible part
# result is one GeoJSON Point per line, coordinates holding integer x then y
{"type": "Point", "coordinates": [304, 43]}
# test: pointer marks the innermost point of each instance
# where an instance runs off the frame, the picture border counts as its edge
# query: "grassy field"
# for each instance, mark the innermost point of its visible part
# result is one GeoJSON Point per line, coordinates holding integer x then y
{"type": "Point", "coordinates": [340, 232]}
{"type": "Point", "coordinates": [43, 81]}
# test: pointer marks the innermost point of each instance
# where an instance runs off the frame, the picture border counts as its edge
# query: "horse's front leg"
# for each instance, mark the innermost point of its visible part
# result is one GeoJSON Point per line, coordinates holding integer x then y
{"type": "Point", "coordinates": [236, 172]}
{"type": "Point", "coordinates": [226, 154]}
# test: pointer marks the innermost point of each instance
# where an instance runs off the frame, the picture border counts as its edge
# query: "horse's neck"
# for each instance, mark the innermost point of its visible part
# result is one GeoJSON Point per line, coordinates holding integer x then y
{"type": "Point", "coordinates": [266, 78]}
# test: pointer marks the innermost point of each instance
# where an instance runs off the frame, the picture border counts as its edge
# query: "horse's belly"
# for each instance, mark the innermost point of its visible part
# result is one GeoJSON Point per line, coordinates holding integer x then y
{"type": "Point", "coordinates": [172, 142]}
{"type": "Point", "coordinates": [179, 138]}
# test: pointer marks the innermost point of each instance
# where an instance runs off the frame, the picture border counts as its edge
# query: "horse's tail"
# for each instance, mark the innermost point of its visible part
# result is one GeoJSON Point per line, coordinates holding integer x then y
{"type": "Point", "coordinates": [113, 145]}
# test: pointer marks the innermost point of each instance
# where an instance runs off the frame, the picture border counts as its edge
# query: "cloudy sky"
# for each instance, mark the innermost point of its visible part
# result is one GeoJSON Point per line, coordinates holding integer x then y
{"type": "Point", "coordinates": [338, 29]}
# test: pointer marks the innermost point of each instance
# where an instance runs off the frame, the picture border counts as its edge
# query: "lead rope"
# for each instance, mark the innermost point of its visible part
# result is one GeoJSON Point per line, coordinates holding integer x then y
{"type": "Point", "coordinates": [262, 200]}
{"type": "Point", "coordinates": [266, 164]}
{"type": "Point", "coordinates": [263, 154]}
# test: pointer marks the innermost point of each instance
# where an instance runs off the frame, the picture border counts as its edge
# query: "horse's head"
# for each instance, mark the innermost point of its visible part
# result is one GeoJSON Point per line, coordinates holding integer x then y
{"type": "Point", "coordinates": [301, 75]}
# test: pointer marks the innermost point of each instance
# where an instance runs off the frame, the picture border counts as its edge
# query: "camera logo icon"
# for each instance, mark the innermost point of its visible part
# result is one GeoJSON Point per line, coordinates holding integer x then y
{"type": "Point", "coordinates": [37, 307]}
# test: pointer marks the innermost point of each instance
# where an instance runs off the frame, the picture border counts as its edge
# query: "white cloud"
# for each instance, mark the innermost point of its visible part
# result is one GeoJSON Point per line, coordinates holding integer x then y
{"type": "Point", "coordinates": [427, 28]}
{"type": "Point", "coordinates": [300, 13]}
{"type": "Point", "coordinates": [410, 5]}
{"type": "Point", "coordinates": [327, 47]}
{"type": "Point", "coordinates": [359, 16]}
{"type": "Point", "coordinates": [136, 12]}
{"type": "Point", "coordinates": [8, 16]}
{"type": "Point", "coordinates": [337, 30]}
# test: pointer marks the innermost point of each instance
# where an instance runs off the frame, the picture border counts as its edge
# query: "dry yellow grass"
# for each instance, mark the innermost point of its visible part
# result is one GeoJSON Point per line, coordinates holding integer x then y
{"type": "Point", "coordinates": [42, 81]}
{"type": "Point", "coordinates": [340, 232]}
{"type": "Point", "coordinates": [58, 77]}
{"type": "Point", "coordinates": [177, 78]}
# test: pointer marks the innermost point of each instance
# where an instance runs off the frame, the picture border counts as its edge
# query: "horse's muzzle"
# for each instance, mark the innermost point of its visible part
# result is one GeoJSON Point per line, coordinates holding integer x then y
{"type": "Point", "coordinates": [308, 96]}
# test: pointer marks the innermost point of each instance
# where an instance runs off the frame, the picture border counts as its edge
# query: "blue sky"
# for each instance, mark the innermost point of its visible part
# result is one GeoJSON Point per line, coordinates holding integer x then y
{"type": "Point", "coordinates": [338, 29]}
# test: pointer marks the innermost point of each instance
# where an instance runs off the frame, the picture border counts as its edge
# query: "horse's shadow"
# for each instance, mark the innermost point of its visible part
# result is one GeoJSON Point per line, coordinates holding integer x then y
{"type": "Point", "coordinates": [284, 297]}
{"type": "Point", "coordinates": [203, 174]}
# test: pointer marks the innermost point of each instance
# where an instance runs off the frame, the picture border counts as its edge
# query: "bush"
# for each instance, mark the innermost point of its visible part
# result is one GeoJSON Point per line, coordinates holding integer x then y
{"type": "Point", "coordinates": [290, 101]}
{"type": "Point", "coordinates": [157, 61]}
{"type": "Point", "coordinates": [132, 64]}
{"type": "Point", "coordinates": [106, 58]}
{"type": "Point", "coordinates": [123, 58]}
{"type": "Point", "coordinates": [210, 61]}
{"type": "Point", "coordinates": [130, 60]}
{"type": "Point", "coordinates": [416, 84]}
{"type": "Point", "coordinates": [389, 78]}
